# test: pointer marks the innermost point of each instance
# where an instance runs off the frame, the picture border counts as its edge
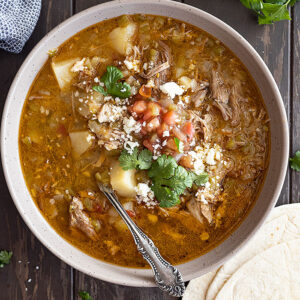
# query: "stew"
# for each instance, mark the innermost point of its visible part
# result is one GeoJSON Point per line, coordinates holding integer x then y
{"type": "Point", "coordinates": [164, 113]}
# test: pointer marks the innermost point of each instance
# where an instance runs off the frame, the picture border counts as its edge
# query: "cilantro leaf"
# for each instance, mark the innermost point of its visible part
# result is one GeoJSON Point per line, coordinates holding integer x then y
{"type": "Point", "coordinates": [145, 159]}
{"type": "Point", "coordinates": [295, 161]}
{"type": "Point", "coordinates": [273, 13]}
{"type": "Point", "coordinates": [100, 89]}
{"type": "Point", "coordinates": [129, 161]}
{"type": "Point", "coordinates": [201, 179]}
{"type": "Point", "coordinates": [163, 167]}
{"type": "Point", "coordinates": [142, 160]}
{"type": "Point", "coordinates": [270, 11]}
{"type": "Point", "coordinates": [165, 196]}
{"type": "Point", "coordinates": [5, 257]}
{"type": "Point", "coordinates": [85, 295]}
{"type": "Point", "coordinates": [170, 180]}
{"type": "Point", "coordinates": [113, 87]}
{"type": "Point", "coordinates": [179, 144]}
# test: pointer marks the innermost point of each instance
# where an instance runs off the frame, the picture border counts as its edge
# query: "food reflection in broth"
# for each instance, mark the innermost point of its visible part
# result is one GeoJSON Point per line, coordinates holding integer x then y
{"type": "Point", "coordinates": [163, 112]}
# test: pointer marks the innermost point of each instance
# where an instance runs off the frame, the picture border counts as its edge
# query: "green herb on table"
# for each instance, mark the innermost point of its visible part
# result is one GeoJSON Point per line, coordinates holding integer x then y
{"type": "Point", "coordinates": [112, 85]}
{"type": "Point", "coordinates": [179, 144]}
{"type": "Point", "coordinates": [295, 161]}
{"type": "Point", "coordinates": [137, 160]}
{"type": "Point", "coordinates": [5, 257]}
{"type": "Point", "coordinates": [270, 11]}
{"type": "Point", "coordinates": [85, 295]}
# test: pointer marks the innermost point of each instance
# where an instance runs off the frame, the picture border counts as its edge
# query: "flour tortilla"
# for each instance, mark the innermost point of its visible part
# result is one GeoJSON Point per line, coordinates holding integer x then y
{"type": "Point", "coordinates": [196, 290]}
{"type": "Point", "coordinates": [272, 274]}
{"type": "Point", "coordinates": [282, 225]}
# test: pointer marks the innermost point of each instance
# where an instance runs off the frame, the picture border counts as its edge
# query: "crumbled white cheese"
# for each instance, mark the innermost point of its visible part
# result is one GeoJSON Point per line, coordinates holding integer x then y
{"type": "Point", "coordinates": [110, 113]}
{"type": "Point", "coordinates": [129, 146]}
{"type": "Point", "coordinates": [132, 65]}
{"type": "Point", "coordinates": [210, 157]}
{"type": "Point", "coordinates": [172, 89]}
{"type": "Point", "coordinates": [206, 155]}
{"type": "Point", "coordinates": [197, 162]}
{"type": "Point", "coordinates": [145, 195]}
{"type": "Point", "coordinates": [166, 133]}
{"type": "Point", "coordinates": [143, 189]}
{"type": "Point", "coordinates": [78, 66]}
{"type": "Point", "coordinates": [131, 125]}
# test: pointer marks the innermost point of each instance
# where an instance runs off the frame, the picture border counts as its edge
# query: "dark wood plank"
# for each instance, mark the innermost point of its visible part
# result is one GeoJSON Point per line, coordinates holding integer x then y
{"type": "Point", "coordinates": [295, 101]}
{"type": "Point", "coordinates": [270, 41]}
{"type": "Point", "coordinates": [43, 274]}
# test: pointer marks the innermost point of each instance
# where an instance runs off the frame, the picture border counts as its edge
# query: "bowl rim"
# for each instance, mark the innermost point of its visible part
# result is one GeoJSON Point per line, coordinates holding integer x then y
{"type": "Point", "coordinates": [171, 4]}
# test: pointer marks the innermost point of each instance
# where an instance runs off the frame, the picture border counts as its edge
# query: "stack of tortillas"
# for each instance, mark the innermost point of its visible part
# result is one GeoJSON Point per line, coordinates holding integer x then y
{"type": "Point", "coordinates": [266, 268]}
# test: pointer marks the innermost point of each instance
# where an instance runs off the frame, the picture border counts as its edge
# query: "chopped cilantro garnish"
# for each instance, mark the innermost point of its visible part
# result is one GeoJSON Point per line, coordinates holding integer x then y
{"type": "Point", "coordinates": [295, 161]}
{"type": "Point", "coordinates": [170, 180]}
{"type": "Point", "coordinates": [136, 160]}
{"type": "Point", "coordinates": [85, 295]}
{"type": "Point", "coordinates": [111, 81]}
{"type": "Point", "coordinates": [200, 179]}
{"type": "Point", "coordinates": [269, 11]}
{"type": "Point", "coordinates": [5, 257]}
{"type": "Point", "coordinates": [179, 144]}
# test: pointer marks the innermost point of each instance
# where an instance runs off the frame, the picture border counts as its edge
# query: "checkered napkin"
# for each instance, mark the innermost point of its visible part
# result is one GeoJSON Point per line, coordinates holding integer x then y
{"type": "Point", "coordinates": [17, 21]}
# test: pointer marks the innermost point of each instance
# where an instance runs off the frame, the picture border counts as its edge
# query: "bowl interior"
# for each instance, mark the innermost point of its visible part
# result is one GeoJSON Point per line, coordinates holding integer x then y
{"type": "Point", "coordinates": [11, 120]}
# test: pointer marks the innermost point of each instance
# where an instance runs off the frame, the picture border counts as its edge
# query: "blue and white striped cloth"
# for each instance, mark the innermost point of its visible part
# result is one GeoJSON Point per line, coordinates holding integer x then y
{"type": "Point", "coordinates": [17, 21]}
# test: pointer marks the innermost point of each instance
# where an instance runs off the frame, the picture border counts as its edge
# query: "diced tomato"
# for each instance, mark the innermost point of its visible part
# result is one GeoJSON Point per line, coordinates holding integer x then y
{"type": "Point", "coordinates": [189, 130]}
{"type": "Point", "coordinates": [179, 134]}
{"type": "Point", "coordinates": [131, 213]}
{"type": "Point", "coordinates": [148, 145]}
{"type": "Point", "coordinates": [153, 124]}
{"type": "Point", "coordinates": [153, 110]}
{"type": "Point", "coordinates": [145, 91]}
{"type": "Point", "coordinates": [139, 106]}
{"type": "Point", "coordinates": [62, 130]}
{"type": "Point", "coordinates": [170, 117]}
{"type": "Point", "coordinates": [164, 127]}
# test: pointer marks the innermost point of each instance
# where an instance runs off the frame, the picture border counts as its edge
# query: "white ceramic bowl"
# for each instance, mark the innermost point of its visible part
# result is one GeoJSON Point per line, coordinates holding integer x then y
{"type": "Point", "coordinates": [11, 121]}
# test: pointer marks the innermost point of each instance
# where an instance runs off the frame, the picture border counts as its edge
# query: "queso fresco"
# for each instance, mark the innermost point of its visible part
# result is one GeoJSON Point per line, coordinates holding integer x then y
{"type": "Point", "coordinates": [165, 114]}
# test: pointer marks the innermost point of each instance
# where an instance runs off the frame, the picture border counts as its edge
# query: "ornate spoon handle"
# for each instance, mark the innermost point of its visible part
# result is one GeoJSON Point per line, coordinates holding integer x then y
{"type": "Point", "coordinates": [167, 277]}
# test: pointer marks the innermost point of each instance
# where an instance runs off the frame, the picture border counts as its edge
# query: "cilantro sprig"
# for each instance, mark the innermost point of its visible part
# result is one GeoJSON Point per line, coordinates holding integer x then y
{"type": "Point", "coordinates": [295, 161]}
{"type": "Point", "coordinates": [169, 180]}
{"type": "Point", "coordinates": [5, 257]}
{"type": "Point", "coordinates": [85, 295]}
{"type": "Point", "coordinates": [112, 85]}
{"type": "Point", "coordinates": [270, 11]}
{"type": "Point", "coordinates": [137, 160]}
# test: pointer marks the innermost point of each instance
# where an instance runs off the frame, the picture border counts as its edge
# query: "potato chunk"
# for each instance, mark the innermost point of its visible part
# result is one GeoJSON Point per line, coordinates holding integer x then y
{"type": "Point", "coordinates": [81, 141]}
{"type": "Point", "coordinates": [123, 182]}
{"type": "Point", "coordinates": [121, 38]}
{"type": "Point", "coordinates": [63, 73]}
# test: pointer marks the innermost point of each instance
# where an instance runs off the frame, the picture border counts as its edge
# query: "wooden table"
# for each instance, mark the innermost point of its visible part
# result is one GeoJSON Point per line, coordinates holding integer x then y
{"type": "Point", "coordinates": [34, 272]}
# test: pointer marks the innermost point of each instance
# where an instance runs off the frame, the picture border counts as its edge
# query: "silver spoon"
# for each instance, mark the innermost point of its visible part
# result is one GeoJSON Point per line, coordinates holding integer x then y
{"type": "Point", "coordinates": [166, 276]}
